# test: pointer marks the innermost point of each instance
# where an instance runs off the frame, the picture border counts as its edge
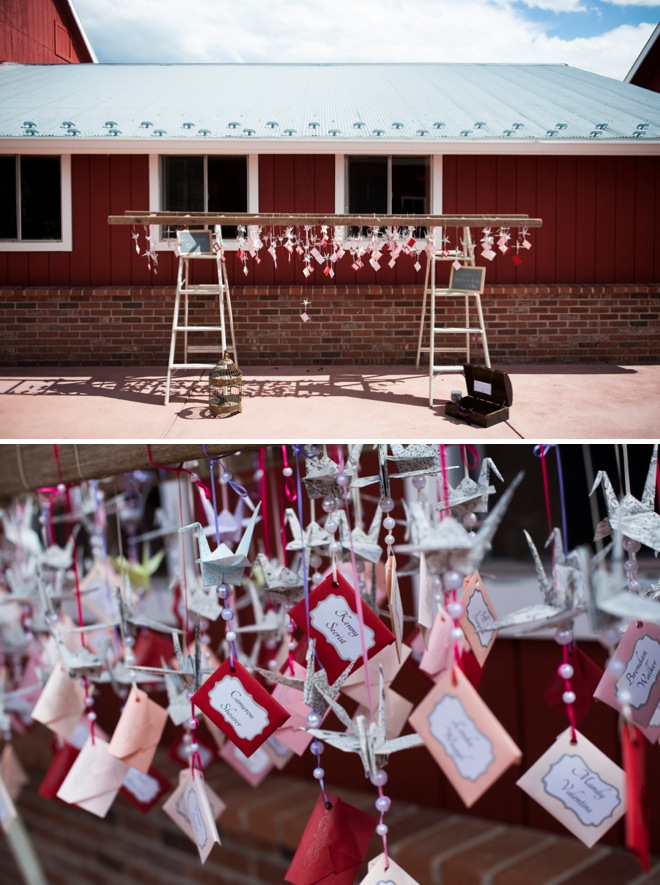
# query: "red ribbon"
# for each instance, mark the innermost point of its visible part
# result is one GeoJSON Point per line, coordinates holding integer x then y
{"type": "Point", "coordinates": [637, 795]}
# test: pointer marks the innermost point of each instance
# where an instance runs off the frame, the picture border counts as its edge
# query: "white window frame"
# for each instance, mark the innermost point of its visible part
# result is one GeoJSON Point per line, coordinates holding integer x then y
{"type": "Point", "coordinates": [66, 243]}
{"type": "Point", "coordinates": [156, 197]}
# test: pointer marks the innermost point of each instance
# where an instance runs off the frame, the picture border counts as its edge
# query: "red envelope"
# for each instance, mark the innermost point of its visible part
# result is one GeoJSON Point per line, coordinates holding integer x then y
{"type": "Point", "coordinates": [144, 790]}
{"type": "Point", "coordinates": [335, 627]}
{"type": "Point", "coordinates": [333, 845]}
{"type": "Point", "coordinates": [584, 682]}
{"type": "Point", "coordinates": [637, 795]}
{"type": "Point", "coordinates": [240, 707]}
{"type": "Point", "coordinates": [59, 768]}
{"type": "Point", "coordinates": [151, 647]}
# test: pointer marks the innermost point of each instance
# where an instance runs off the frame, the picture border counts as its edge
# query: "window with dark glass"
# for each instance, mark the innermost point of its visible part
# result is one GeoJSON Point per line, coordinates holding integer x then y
{"type": "Point", "coordinates": [204, 184]}
{"type": "Point", "coordinates": [389, 185]}
{"type": "Point", "coordinates": [30, 198]}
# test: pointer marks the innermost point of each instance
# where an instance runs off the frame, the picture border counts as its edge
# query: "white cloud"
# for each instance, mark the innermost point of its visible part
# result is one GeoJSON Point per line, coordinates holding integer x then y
{"type": "Point", "coordinates": [346, 31]}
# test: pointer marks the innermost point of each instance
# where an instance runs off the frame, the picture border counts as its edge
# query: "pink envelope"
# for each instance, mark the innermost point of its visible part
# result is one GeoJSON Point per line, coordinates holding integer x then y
{"type": "Point", "coordinates": [355, 686]}
{"type": "Point", "coordinates": [253, 768]}
{"type": "Point", "coordinates": [639, 649]}
{"type": "Point", "coordinates": [463, 736]}
{"type": "Point", "coordinates": [291, 733]}
{"type": "Point", "coordinates": [94, 779]}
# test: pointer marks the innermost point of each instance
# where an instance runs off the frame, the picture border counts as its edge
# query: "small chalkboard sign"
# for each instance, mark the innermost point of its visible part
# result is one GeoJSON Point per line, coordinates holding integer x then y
{"type": "Point", "coordinates": [467, 279]}
{"type": "Point", "coordinates": [194, 242]}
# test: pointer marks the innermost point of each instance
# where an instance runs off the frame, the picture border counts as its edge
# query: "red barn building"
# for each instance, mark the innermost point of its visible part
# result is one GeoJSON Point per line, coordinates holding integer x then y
{"type": "Point", "coordinates": [42, 32]}
{"type": "Point", "coordinates": [81, 142]}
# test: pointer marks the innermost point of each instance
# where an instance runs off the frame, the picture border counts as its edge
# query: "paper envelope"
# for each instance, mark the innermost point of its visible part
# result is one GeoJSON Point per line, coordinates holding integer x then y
{"type": "Point", "coordinates": [479, 612]}
{"type": "Point", "coordinates": [463, 736]}
{"type": "Point", "coordinates": [355, 686]}
{"type": "Point", "coordinates": [579, 785]}
{"type": "Point", "coordinates": [278, 752]}
{"type": "Point", "coordinates": [12, 772]}
{"type": "Point", "coordinates": [252, 768]}
{"type": "Point", "coordinates": [7, 810]}
{"type": "Point", "coordinates": [392, 873]}
{"type": "Point", "coordinates": [398, 709]}
{"type": "Point", "coordinates": [94, 779]}
{"type": "Point", "coordinates": [61, 702]}
{"type": "Point", "coordinates": [138, 731]}
{"type": "Point", "coordinates": [333, 845]}
{"type": "Point", "coordinates": [439, 654]}
{"type": "Point", "coordinates": [639, 650]}
{"type": "Point", "coordinates": [175, 807]}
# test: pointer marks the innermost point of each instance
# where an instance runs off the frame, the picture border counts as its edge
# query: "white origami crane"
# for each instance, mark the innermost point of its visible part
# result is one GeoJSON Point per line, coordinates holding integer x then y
{"type": "Point", "coordinates": [636, 519]}
{"type": "Point", "coordinates": [283, 584]}
{"type": "Point", "coordinates": [417, 459]}
{"type": "Point", "coordinates": [266, 623]}
{"type": "Point", "coordinates": [365, 544]}
{"type": "Point", "coordinates": [470, 496]}
{"type": "Point", "coordinates": [18, 530]}
{"type": "Point", "coordinates": [190, 671]}
{"type": "Point", "coordinates": [447, 545]}
{"type": "Point", "coordinates": [315, 687]}
{"type": "Point", "coordinates": [321, 478]}
{"type": "Point", "coordinates": [229, 524]}
{"type": "Point", "coordinates": [314, 535]}
{"type": "Point", "coordinates": [223, 565]}
{"type": "Point", "coordinates": [129, 621]}
{"type": "Point", "coordinates": [370, 741]}
{"type": "Point", "coordinates": [564, 598]}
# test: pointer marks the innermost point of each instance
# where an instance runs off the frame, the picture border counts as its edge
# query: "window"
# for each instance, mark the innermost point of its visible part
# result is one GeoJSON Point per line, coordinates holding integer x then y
{"type": "Point", "coordinates": [389, 185]}
{"type": "Point", "coordinates": [204, 184]}
{"type": "Point", "coordinates": [30, 198]}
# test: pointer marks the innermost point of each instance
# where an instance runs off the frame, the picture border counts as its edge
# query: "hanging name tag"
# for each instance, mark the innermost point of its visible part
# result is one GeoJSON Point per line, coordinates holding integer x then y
{"type": "Point", "coordinates": [463, 736]}
{"type": "Point", "coordinates": [639, 650]}
{"type": "Point", "coordinates": [304, 317]}
{"type": "Point", "coordinates": [579, 786]}
{"type": "Point", "coordinates": [240, 707]}
{"type": "Point", "coordinates": [382, 872]}
{"type": "Point", "coordinates": [253, 769]}
{"type": "Point", "coordinates": [335, 626]}
{"type": "Point", "coordinates": [479, 613]}
{"type": "Point", "coordinates": [176, 807]}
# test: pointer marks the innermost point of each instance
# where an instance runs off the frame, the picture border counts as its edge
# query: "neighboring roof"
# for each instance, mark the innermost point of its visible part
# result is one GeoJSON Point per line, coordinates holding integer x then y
{"type": "Point", "coordinates": [646, 70]}
{"type": "Point", "coordinates": [280, 104]}
{"type": "Point", "coordinates": [81, 30]}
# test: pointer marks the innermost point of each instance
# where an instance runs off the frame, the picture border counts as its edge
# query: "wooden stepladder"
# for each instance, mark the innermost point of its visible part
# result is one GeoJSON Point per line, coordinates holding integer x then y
{"type": "Point", "coordinates": [197, 245]}
{"type": "Point", "coordinates": [465, 282]}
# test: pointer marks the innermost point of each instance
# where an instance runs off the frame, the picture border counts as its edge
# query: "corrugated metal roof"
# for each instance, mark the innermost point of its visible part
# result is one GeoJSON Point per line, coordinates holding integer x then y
{"type": "Point", "coordinates": [401, 102]}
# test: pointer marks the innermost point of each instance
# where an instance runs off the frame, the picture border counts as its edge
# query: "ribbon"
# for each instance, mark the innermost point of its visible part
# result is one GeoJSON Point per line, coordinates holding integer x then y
{"type": "Point", "coordinates": [179, 470]}
{"type": "Point", "coordinates": [445, 481]}
{"type": "Point", "coordinates": [540, 451]}
{"type": "Point", "coordinates": [289, 487]}
{"type": "Point", "coordinates": [468, 448]}
{"type": "Point", "coordinates": [264, 499]}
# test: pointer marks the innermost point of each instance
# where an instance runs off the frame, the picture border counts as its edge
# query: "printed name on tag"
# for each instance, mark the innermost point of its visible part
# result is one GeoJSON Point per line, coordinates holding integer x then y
{"type": "Point", "coordinates": [470, 750]}
{"type": "Point", "coordinates": [483, 387]}
{"type": "Point", "coordinates": [336, 620]}
{"type": "Point", "coordinates": [144, 787]}
{"type": "Point", "coordinates": [581, 790]}
{"type": "Point", "coordinates": [239, 709]}
{"type": "Point", "coordinates": [642, 671]}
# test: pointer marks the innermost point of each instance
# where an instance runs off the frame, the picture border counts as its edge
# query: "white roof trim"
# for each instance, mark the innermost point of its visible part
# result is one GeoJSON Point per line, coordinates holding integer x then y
{"type": "Point", "coordinates": [642, 55]}
{"type": "Point", "coordinates": [83, 33]}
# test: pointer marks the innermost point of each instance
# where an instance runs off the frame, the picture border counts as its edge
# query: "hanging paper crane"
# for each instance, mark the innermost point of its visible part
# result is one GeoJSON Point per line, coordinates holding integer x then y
{"type": "Point", "coordinates": [314, 535]}
{"type": "Point", "coordinates": [636, 519]}
{"type": "Point", "coordinates": [223, 565]}
{"type": "Point", "coordinates": [365, 544]}
{"type": "Point", "coordinates": [369, 741]}
{"type": "Point", "coordinates": [139, 573]}
{"type": "Point", "coordinates": [447, 545]}
{"type": "Point", "coordinates": [283, 584]}
{"type": "Point", "coordinates": [563, 593]}
{"type": "Point", "coordinates": [470, 496]}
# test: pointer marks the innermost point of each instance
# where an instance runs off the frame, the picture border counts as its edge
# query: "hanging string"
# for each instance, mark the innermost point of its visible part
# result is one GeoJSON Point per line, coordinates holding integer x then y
{"type": "Point", "coordinates": [264, 499]}
{"type": "Point", "coordinates": [445, 482]}
{"type": "Point", "coordinates": [289, 488]}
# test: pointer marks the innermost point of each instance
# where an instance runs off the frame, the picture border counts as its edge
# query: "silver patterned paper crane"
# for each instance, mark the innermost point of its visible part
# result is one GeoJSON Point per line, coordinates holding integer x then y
{"type": "Point", "coordinates": [314, 536]}
{"type": "Point", "coordinates": [282, 584]}
{"type": "Point", "coordinates": [321, 478]}
{"type": "Point", "coordinates": [315, 686]}
{"type": "Point", "coordinates": [470, 496]}
{"type": "Point", "coordinates": [446, 544]}
{"type": "Point", "coordinates": [563, 593]}
{"type": "Point", "coordinates": [368, 740]}
{"type": "Point", "coordinates": [223, 565]}
{"type": "Point", "coordinates": [365, 544]}
{"type": "Point", "coordinates": [636, 519]}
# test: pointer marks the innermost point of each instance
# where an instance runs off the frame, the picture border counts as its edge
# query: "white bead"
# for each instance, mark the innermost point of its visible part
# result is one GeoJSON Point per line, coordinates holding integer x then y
{"type": "Point", "coordinates": [227, 614]}
{"type": "Point", "coordinates": [315, 560]}
{"type": "Point", "coordinates": [129, 642]}
{"type": "Point", "coordinates": [419, 482]}
{"type": "Point", "coordinates": [389, 539]}
{"type": "Point", "coordinates": [452, 580]}
{"type": "Point", "coordinates": [383, 804]}
{"type": "Point", "coordinates": [287, 471]}
{"type": "Point", "coordinates": [455, 610]}
{"type": "Point", "coordinates": [568, 697]}
{"type": "Point", "coordinates": [386, 504]}
{"type": "Point", "coordinates": [316, 579]}
{"type": "Point", "coordinates": [633, 585]}
{"type": "Point", "coordinates": [565, 671]}
{"type": "Point", "coordinates": [469, 520]}
{"type": "Point", "coordinates": [329, 504]}
{"type": "Point", "coordinates": [222, 591]}
{"type": "Point", "coordinates": [379, 779]}
{"type": "Point", "coordinates": [334, 546]}
{"type": "Point", "coordinates": [226, 476]}
{"type": "Point", "coordinates": [389, 523]}
{"type": "Point", "coordinates": [230, 636]}
{"type": "Point", "coordinates": [272, 664]}
{"type": "Point", "coordinates": [631, 566]}
{"type": "Point", "coordinates": [91, 716]}
{"type": "Point", "coordinates": [624, 696]}
{"type": "Point", "coordinates": [314, 719]}
{"type": "Point", "coordinates": [331, 526]}
{"type": "Point", "coordinates": [436, 582]}
{"type": "Point", "coordinates": [456, 634]}
{"type": "Point", "coordinates": [563, 637]}
{"type": "Point", "coordinates": [317, 747]}
{"type": "Point", "coordinates": [381, 829]}
{"type": "Point", "coordinates": [616, 666]}
{"type": "Point", "coordinates": [631, 546]}
{"type": "Point", "coordinates": [342, 479]}
{"type": "Point", "coordinates": [318, 773]}
{"type": "Point", "coordinates": [194, 477]}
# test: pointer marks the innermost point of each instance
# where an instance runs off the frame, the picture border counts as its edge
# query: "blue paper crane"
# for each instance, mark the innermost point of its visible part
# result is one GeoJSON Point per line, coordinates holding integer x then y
{"type": "Point", "coordinates": [223, 565]}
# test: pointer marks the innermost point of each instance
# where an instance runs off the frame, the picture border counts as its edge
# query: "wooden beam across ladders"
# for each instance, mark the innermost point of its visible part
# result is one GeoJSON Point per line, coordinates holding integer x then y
{"type": "Point", "coordinates": [284, 219]}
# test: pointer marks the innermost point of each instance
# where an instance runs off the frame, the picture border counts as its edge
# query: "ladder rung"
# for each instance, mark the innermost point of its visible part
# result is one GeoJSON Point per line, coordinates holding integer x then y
{"type": "Point", "coordinates": [197, 329]}
{"type": "Point", "coordinates": [450, 349]}
{"type": "Point", "coordinates": [206, 348]}
{"type": "Point", "coordinates": [447, 369]}
{"type": "Point", "coordinates": [439, 329]}
{"type": "Point", "coordinates": [192, 365]}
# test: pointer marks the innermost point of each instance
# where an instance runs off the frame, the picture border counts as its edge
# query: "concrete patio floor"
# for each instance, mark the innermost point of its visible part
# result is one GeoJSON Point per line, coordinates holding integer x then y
{"type": "Point", "coordinates": [336, 402]}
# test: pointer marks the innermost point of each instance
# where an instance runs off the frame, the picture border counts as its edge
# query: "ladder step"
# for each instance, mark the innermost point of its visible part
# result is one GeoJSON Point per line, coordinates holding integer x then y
{"type": "Point", "coordinates": [476, 331]}
{"type": "Point", "coordinates": [447, 369]}
{"type": "Point", "coordinates": [450, 349]}
{"type": "Point", "coordinates": [197, 329]}
{"type": "Point", "coordinates": [192, 365]}
{"type": "Point", "coordinates": [206, 348]}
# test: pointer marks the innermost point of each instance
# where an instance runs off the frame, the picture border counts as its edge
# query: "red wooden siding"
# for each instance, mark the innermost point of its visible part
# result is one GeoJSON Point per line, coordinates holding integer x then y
{"type": "Point", "coordinates": [601, 215]}
{"type": "Point", "coordinates": [39, 32]}
{"type": "Point", "coordinates": [102, 255]}
{"type": "Point", "coordinates": [601, 222]}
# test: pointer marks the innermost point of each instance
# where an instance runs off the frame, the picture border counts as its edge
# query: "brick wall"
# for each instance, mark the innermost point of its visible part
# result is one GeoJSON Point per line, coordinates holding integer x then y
{"type": "Point", "coordinates": [261, 828]}
{"type": "Point", "coordinates": [349, 325]}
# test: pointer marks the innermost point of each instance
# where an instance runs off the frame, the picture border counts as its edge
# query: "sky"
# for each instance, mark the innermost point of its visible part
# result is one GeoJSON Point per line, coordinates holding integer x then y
{"type": "Point", "coordinates": [603, 37]}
